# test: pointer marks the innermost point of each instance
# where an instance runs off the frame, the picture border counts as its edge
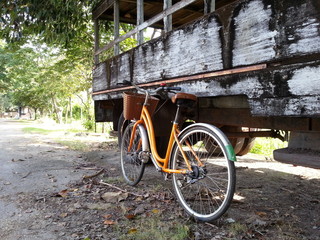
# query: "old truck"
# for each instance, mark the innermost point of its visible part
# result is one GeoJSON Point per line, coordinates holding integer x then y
{"type": "Point", "coordinates": [254, 65]}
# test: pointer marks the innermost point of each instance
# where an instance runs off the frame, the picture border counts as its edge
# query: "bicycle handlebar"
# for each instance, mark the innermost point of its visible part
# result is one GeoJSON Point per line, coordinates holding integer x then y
{"type": "Point", "coordinates": [149, 92]}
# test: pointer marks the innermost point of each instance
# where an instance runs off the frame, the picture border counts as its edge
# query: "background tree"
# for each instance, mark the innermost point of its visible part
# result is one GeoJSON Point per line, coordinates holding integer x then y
{"type": "Point", "coordinates": [48, 57]}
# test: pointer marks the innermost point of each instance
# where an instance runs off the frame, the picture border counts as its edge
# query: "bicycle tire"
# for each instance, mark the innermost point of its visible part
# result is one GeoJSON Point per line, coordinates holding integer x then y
{"type": "Point", "coordinates": [207, 193]}
{"type": "Point", "coordinates": [131, 165]}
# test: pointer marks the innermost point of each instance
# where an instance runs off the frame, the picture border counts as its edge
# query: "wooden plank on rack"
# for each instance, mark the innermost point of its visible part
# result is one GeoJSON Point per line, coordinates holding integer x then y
{"type": "Point", "coordinates": [146, 24]}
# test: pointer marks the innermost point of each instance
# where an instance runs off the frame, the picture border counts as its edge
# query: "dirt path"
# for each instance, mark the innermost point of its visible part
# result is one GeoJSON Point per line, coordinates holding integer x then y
{"type": "Point", "coordinates": [43, 195]}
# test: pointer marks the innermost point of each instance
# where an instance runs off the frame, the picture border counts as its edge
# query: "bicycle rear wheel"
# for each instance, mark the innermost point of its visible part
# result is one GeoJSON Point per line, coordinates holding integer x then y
{"type": "Point", "coordinates": [131, 165]}
{"type": "Point", "coordinates": [207, 192]}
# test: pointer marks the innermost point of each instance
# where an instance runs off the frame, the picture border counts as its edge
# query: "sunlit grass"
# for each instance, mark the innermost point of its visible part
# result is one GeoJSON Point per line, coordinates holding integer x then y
{"type": "Point", "coordinates": [75, 145]}
{"type": "Point", "coordinates": [265, 146]}
{"type": "Point", "coordinates": [34, 130]}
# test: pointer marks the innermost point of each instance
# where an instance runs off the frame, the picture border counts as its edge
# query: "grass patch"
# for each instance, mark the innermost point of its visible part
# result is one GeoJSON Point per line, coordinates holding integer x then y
{"type": "Point", "coordinates": [74, 145]}
{"type": "Point", "coordinates": [237, 229]}
{"type": "Point", "coordinates": [265, 146]}
{"type": "Point", "coordinates": [153, 228]}
{"type": "Point", "coordinates": [34, 130]}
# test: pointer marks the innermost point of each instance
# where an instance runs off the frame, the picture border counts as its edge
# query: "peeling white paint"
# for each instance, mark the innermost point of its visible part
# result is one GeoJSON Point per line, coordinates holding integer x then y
{"type": "Point", "coordinates": [308, 38]}
{"type": "Point", "coordinates": [305, 81]}
{"type": "Point", "coordinates": [306, 106]}
{"type": "Point", "coordinates": [185, 52]}
{"type": "Point", "coordinates": [254, 42]}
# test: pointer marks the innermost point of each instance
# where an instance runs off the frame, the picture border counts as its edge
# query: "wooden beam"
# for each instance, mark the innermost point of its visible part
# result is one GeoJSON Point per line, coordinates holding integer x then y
{"type": "Point", "coordinates": [209, 6]}
{"type": "Point", "coordinates": [190, 78]}
{"type": "Point", "coordinates": [96, 40]}
{"type": "Point", "coordinates": [158, 17]}
{"type": "Point", "coordinates": [100, 9]}
{"type": "Point", "coordinates": [213, 6]}
{"type": "Point", "coordinates": [116, 27]}
{"type": "Point", "coordinates": [140, 20]}
{"type": "Point", "coordinates": [167, 20]}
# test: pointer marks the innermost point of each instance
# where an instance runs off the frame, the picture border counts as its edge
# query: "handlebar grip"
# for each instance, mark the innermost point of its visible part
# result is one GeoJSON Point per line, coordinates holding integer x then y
{"type": "Point", "coordinates": [172, 88]}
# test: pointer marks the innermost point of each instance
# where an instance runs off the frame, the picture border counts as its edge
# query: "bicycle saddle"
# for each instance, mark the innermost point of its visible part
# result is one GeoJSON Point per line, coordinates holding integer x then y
{"type": "Point", "coordinates": [183, 96]}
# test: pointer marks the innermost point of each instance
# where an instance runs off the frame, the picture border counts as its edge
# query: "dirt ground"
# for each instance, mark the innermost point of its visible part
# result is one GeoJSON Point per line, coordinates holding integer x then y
{"type": "Point", "coordinates": [49, 191]}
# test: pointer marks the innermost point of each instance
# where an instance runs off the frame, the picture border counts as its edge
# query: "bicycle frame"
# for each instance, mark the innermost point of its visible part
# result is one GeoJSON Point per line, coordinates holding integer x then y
{"type": "Point", "coordinates": [162, 163]}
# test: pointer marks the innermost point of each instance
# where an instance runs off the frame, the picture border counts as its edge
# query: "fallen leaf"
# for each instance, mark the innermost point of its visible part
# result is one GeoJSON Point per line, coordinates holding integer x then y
{"type": "Point", "coordinates": [63, 193]}
{"type": "Point", "coordinates": [114, 197]}
{"type": "Point", "coordinates": [155, 211]}
{"type": "Point", "coordinates": [132, 230]}
{"type": "Point", "coordinates": [130, 216]}
{"type": "Point", "coordinates": [107, 216]}
{"type": "Point", "coordinates": [63, 215]}
{"type": "Point", "coordinates": [109, 222]}
{"type": "Point", "coordinates": [261, 214]}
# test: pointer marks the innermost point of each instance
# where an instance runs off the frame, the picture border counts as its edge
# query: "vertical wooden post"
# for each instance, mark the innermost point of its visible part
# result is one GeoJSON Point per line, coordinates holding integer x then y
{"type": "Point", "coordinates": [213, 5]}
{"type": "Point", "coordinates": [140, 20]}
{"type": "Point", "coordinates": [96, 40]}
{"type": "Point", "coordinates": [167, 21]}
{"type": "Point", "coordinates": [116, 26]}
{"type": "Point", "coordinates": [209, 6]}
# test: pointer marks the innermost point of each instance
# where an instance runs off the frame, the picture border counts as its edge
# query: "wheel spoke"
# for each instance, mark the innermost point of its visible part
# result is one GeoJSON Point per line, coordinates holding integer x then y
{"type": "Point", "coordinates": [132, 167]}
{"type": "Point", "coordinates": [207, 193]}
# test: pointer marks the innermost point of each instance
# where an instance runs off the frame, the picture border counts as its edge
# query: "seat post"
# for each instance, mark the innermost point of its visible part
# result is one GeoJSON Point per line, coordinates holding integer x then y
{"type": "Point", "coordinates": [176, 118]}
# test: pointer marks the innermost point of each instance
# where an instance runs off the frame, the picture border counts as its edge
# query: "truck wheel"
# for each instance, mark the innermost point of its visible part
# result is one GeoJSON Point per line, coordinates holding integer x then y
{"type": "Point", "coordinates": [247, 145]}
{"type": "Point", "coordinates": [237, 143]}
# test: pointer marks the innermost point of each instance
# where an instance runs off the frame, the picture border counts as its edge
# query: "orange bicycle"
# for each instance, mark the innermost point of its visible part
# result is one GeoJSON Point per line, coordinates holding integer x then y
{"type": "Point", "coordinates": [199, 158]}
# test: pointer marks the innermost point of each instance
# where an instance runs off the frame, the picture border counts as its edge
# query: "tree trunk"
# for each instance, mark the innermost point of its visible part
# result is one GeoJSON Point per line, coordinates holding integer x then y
{"type": "Point", "coordinates": [57, 110]}
{"type": "Point", "coordinates": [70, 110]}
{"type": "Point", "coordinates": [35, 113]}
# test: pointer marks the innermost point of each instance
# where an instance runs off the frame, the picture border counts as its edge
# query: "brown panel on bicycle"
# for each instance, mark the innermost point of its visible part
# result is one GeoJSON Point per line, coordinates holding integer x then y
{"type": "Point", "coordinates": [186, 96]}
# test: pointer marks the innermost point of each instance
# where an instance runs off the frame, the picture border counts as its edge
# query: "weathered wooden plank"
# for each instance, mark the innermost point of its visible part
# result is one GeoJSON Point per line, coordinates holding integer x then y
{"type": "Point", "coordinates": [278, 91]}
{"type": "Point", "coordinates": [100, 77]}
{"type": "Point", "coordinates": [255, 36]}
{"type": "Point", "coordinates": [100, 9]}
{"type": "Point", "coordinates": [96, 40]}
{"type": "Point", "coordinates": [269, 30]}
{"type": "Point", "coordinates": [140, 20]}
{"type": "Point", "coordinates": [253, 41]}
{"type": "Point", "coordinates": [180, 53]}
{"type": "Point", "coordinates": [167, 20]}
{"type": "Point", "coordinates": [116, 26]}
{"type": "Point", "coordinates": [251, 32]}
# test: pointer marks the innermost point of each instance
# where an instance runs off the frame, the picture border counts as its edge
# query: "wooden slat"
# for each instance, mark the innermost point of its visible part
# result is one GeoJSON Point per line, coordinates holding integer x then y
{"type": "Point", "coordinates": [140, 20]}
{"type": "Point", "coordinates": [190, 78]}
{"type": "Point", "coordinates": [146, 24]}
{"type": "Point", "coordinates": [99, 10]}
{"type": "Point", "coordinates": [116, 27]}
{"type": "Point", "coordinates": [96, 40]}
{"type": "Point", "coordinates": [167, 20]}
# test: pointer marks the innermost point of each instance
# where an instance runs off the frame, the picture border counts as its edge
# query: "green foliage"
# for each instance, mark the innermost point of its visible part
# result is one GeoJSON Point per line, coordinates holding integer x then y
{"type": "Point", "coordinates": [88, 124]}
{"type": "Point", "coordinates": [57, 21]}
{"type": "Point", "coordinates": [154, 228]}
{"type": "Point", "coordinates": [76, 112]}
{"type": "Point", "coordinates": [46, 57]}
{"type": "Point", "coordinates": [265, 146]}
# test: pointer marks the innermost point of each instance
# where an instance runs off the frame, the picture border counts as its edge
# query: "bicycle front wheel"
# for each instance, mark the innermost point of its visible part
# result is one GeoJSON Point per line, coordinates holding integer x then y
{"type": "Point", "coordinates": [207, 192]}
{"type": "Point", "coordinates": [131, 165]}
